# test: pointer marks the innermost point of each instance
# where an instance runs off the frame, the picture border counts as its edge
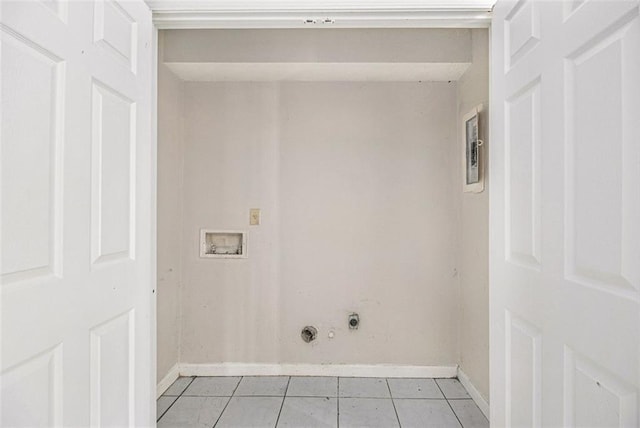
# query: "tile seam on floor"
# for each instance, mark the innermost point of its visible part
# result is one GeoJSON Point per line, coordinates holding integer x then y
{"type": "Point", "coordinates": [464, 390]}
{"type": "Point", "coordinates": [183, 389]}
{"type": "Point", "coordinates": [213, 396]}
{"type": "Point", "coordinates": [412, 398]}
{"type": "Point", "coordinates": [449, 404]}
{"type": "Point", "coordinates": [325, 396]}
{"type": "Point", "coordinates": [393, 402]}
{"type": "Point", "coordinates": [228, 401]}
{"type": "Point", "coordinates": [338, 403]}
{"type": "Point", "coordinates": [314, 396]}
{"type": "Point", "coordinates": [176, 400]}
{"type": "Point", "coordinates": [282, 404]}
{"type": "Point", "coordinates": [271, 395]}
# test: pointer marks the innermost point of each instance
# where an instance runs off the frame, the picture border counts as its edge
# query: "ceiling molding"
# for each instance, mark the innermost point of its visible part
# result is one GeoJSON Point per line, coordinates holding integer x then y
{"type": "Point", "coordinates": [172, 14]}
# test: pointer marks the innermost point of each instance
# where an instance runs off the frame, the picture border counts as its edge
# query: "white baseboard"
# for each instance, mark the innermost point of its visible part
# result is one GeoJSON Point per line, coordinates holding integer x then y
{"type": "Point", "coordinates": [345, 370]}
{"type": "Point", "coordinates": [166, 381]}
{"type": "Point", "coordinates": [474, 393]}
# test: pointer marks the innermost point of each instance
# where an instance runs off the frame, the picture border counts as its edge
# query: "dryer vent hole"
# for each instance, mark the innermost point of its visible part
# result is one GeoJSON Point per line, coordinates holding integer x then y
{"type": "Point", "coordinates": [309, 334]}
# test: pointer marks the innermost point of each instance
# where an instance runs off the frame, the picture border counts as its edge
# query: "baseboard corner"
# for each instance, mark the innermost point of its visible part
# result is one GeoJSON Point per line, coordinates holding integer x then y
{"type": "Point", "coordinates": [166, 381]}
{"type": "Point", "coordinates": [477, 397]}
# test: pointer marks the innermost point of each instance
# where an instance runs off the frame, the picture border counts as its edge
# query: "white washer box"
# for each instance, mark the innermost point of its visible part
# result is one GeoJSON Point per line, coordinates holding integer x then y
{"type": "Point", "coordinates": [223, 244]}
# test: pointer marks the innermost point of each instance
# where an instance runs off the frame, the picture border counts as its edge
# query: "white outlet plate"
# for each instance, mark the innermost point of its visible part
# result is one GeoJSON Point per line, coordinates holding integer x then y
{"type": "Point", "coordinates": [254, 216]}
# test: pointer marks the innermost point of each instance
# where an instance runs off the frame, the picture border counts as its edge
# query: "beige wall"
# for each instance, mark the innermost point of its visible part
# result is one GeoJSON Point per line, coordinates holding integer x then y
{"type": "Point", "coordinates": [355, 186]}
{"type": "Point", "coordinates": [334, 46]}
{"type": "Point", "coordinates": [170, 154]}
{"type": "Point", "coordinates": [231, 307]}
{"type": "Point", "coordinates": [365, 205]}
{"type": "Point", "coordinates": [473, 256]}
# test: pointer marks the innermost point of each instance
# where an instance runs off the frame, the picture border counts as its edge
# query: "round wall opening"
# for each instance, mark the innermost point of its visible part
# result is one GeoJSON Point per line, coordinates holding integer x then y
{"type": "Point", "coordinates": [309, 333]}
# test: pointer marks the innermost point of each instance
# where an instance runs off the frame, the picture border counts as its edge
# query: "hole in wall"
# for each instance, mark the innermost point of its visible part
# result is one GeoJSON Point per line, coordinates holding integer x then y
{"type": "Point", "coordinates": [309, 334]}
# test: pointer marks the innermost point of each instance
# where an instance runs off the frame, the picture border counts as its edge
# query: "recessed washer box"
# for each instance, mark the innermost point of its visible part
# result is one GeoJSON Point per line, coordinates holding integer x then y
{"type": "Point", "coordinates": [223, 244]}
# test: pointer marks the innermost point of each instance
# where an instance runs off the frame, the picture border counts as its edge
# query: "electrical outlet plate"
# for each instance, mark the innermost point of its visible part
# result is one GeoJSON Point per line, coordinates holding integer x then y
{"type": "Point", "coordinates": [254, 216]}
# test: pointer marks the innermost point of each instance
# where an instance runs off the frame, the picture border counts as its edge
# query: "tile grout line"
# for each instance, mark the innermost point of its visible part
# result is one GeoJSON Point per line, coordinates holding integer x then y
{"type": "Point", "coordinates": [393, 402]}
{"type": "Point", "coordinates": [449, 404]}
{"type": "Point", "coordinates": [228, 401]}
{"type": "Point", "coordinates": [283, 398]}
{"type": "Point", "coordinates": [324, 396]}
{"type": "Point", "coordinates": [338, 403]}
{"type": "Point", "coordinates": [170, 406]}
{"type": "Point", "coordinates": [174, 401]}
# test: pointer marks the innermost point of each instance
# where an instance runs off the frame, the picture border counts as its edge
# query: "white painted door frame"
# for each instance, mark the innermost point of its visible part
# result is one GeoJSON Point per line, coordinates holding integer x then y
{"type": "Point", "coordinates": [209, 14]}
{"type": "Point", "coordinates": [546, 369]}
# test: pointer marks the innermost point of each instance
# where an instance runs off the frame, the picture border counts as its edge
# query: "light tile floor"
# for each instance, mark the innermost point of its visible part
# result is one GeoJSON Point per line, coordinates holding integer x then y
{"type": "Point", "coordinates": [301, 402]}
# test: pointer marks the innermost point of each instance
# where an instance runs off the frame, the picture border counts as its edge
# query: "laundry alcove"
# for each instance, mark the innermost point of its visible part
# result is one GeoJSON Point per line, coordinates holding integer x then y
{"type": "Point", "coordinates": [349, 142]}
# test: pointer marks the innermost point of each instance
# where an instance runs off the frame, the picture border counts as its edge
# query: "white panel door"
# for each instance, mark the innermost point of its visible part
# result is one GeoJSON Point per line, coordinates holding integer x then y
{"type": "Point", "coordinates": [76, 202]}
{"type": "Point", "coordinates": [565, 214]}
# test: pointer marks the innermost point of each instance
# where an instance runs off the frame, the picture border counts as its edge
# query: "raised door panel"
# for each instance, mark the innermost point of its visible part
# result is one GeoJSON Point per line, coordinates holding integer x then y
{"type": "Point", "coordinates": [32, 143]}
{"type": "Point", "coordinates": [113, 175]}
{"type": "Point", "coordinates": [523, 373]}
{"type": "Point", "coordinates": [522, 31]}
{"type": "Point", "coordinates": [58, 7]}
{"type": "Point", "coordinates": [522, 169]}
{"type": "Point", "coordinates": [602, 158]}
{"type": "Point", "coordinates": [116, 31]}
{"type": "Point", "coordinates": [112, 372]}
{"type": "Point", "coordinates": [595, 397]}
{"type": "Point", "coordinates": [32, 391]}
